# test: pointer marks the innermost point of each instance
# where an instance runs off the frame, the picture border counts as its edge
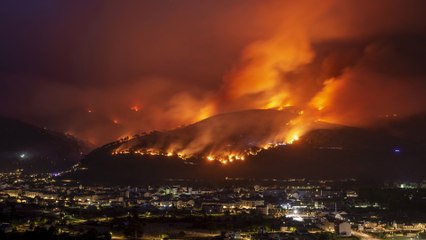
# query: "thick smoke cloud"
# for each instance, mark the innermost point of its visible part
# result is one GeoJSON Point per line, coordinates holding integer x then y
{"type": "Point", "coordinates": [124, 68]}
{"type": "Point", "coordinates": [387, 80]}
{"type": "Point", "coordinates": [346, 63]}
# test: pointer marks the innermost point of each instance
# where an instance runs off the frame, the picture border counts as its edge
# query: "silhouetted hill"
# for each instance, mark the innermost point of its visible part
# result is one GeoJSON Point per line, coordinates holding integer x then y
{"type": "Point", "coordinates": [386, 152]}
{"type": "Point", "coordinates": [34, 149]}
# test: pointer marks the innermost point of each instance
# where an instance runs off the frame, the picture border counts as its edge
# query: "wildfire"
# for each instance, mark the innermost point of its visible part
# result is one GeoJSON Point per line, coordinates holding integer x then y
{"type": "Point", "coordinates": [205, 112]}
{"type": "Point", "coordinates": [279, 101]}
{"type": "Point", "coordinates": [223, 157]}
{"type": "Point", "coordinates": [293, 139]}
{"type": "Point", "coordinates": [323, 98]}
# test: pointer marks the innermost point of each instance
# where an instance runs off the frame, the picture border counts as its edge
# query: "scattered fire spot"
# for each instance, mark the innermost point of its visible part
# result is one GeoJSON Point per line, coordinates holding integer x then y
{"type": "Point", "coordinates": [135, 108]}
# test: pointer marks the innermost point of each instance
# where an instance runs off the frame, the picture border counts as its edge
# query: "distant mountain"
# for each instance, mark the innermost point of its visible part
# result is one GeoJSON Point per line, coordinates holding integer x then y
{"type": "Point", "coordinates": [396, 149]}
{"type": "Point", "coordinates": [34, 149]}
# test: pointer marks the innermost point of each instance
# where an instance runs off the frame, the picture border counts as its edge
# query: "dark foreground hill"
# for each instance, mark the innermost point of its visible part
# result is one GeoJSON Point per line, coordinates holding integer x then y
{"type": "Point", "coordinates": [34, 149]}
{"type": "Point", "coordinates": [396, 150]}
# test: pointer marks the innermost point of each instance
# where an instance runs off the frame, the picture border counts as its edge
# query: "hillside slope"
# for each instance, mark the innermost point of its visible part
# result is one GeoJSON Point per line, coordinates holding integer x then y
{"type": "Point", "coordinates": [34, 149]}
{"type": "Point", "coordinates": [335, 152]}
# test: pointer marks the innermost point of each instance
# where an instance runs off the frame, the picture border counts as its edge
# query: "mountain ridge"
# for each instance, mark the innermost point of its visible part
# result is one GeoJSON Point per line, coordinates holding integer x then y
{"type": "Point", "coordinates": [335, 152]}
{"type": "Point", "coordinates": [34, 149]}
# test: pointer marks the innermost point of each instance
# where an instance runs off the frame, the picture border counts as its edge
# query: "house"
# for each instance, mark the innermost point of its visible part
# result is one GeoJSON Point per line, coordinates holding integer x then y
{"type": "Point", "coordinates": [344, 229]}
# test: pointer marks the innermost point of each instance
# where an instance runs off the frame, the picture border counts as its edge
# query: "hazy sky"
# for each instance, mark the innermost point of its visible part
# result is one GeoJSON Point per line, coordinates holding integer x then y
{"type": "Point", "coordinates": [104, 69]}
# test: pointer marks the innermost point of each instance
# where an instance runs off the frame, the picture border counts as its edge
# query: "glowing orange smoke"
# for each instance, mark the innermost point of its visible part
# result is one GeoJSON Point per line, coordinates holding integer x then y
{"type": "Point", "coordinates": [259, 82]}
{"type": "Point", "coordinates": [259, 78]}
{"type": "Point", "coordinates": [285, 69]}
{"type": "Point", "coordinates": [323, 98]}
{"type": "Point", "coordinates": [204, 112]}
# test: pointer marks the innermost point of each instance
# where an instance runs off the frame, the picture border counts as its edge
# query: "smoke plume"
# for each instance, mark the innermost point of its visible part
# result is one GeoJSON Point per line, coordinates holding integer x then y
{"type": "Point", "coordinates": [121, 69]}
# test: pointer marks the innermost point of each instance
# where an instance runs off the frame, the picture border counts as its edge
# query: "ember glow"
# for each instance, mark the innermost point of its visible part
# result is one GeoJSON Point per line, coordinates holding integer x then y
{"type": "Point", "coordinates": [134, 68]}
{"type": "Point", "coordinates": [221, 138]}
{"type": "Point", "coordinates": [221, 156]}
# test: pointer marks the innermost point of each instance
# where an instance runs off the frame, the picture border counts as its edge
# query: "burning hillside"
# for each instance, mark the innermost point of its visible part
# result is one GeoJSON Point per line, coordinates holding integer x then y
{"type": "Point", "coordinates": [225, 138]}
{"type": "Point", "coordinates": [331, 151]}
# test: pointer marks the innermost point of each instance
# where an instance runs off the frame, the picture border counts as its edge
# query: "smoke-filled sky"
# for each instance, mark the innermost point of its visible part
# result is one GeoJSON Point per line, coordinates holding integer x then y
{"type": "Point", "coordinates": [104, 69]}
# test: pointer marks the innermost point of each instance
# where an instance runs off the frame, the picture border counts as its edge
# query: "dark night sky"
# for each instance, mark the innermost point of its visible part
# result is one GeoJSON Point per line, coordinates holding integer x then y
{"type": "Point", "coordinates": [84, 67]}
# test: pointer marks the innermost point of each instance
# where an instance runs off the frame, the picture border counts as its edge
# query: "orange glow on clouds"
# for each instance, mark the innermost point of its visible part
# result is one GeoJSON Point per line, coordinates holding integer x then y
{"type": "Point", "coordinates": [292, 53]}
{"type": "Point", "coordinates": [263, 63]}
